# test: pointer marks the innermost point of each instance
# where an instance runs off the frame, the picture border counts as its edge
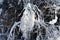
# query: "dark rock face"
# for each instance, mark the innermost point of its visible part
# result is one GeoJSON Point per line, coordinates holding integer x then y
{"type": "Point", "coordinates": [13, 11]}
{"type": "Point", "coordinates": [10, 11]}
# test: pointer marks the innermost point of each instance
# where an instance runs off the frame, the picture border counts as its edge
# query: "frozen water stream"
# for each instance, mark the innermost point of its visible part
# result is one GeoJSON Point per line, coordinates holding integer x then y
{"type": "Point", "coordinates": [33, 25]}
{"type": "Point", "coordinates": [33, 16]}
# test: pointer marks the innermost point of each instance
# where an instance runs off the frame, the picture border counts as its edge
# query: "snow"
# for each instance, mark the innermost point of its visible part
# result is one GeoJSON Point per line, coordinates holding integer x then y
{"type": "Point", "coordinates": [58, 38]}
{"type": "Point", "coordinates": [54, 20]}
{"type": "Point", "coordinates": [1, 1]}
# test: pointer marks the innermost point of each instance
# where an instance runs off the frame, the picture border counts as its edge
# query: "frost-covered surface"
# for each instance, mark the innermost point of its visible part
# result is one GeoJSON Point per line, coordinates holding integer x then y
{"type": "Point", "coordinates": [30, 20]}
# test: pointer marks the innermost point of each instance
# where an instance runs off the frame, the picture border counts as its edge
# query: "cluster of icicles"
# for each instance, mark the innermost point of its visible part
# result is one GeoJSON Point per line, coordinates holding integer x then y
{"type": "Point", "coordinates": [33, 16]}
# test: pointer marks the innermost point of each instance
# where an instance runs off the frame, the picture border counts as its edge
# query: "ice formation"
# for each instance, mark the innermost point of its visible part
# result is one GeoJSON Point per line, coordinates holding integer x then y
{"type": "Point", "coordinates": [28, 20]}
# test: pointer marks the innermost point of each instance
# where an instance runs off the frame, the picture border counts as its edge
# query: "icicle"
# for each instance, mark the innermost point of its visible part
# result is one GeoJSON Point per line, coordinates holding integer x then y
{"type": "Point", "coordinates": [28, 19]}
{"type": "Point", "coordinates": [19, 2]}
{"type": "Point", "coordinates": [0, 10]}
{"type": "Point", "coordinates": [26, 2]}
{"type": "Point", "coordinates": [10, 36]}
